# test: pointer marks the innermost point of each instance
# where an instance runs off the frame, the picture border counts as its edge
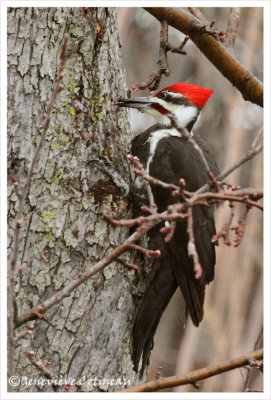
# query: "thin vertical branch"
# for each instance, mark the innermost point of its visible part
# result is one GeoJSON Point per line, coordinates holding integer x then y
{"type": "Point", "coordinates": [198, 14]}
{"type": "Point", "coordinates": [163, 66]}
{"type": "Point", "coordinates": [232, 28]}
{"type": "Point", "coordinates": [21, 195]}
{"type": "Point", "coordinates": [258, 344]}
{"type": "Point", "coordinates": [192, 251]}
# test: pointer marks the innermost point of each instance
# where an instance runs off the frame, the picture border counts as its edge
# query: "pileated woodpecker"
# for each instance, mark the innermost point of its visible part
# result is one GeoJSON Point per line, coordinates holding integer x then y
{"type": "Point", "coordinates": [168, 156]}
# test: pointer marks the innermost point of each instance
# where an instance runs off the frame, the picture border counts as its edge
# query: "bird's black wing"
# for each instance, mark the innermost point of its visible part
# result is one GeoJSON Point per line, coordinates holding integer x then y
{"type": "Point", "coordinates": [176, 158]}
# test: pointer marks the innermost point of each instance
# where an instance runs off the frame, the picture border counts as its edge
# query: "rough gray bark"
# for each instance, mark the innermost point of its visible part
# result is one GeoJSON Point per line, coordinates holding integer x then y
{"type": "Point", "coordinates": [63, 232]}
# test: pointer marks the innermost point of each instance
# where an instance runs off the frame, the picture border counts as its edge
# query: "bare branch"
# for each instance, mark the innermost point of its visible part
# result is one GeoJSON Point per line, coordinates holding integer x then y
{"type": "Point", "coordinates": [165, 216]}
{"type": "Point", "coordinates": [147, 253]}
{"type": "Point", "coordinates": [258, 344]}
{"type": "Point", "coordinates": [207, 26]}
{"type": "Point", "coordinates": [206, 165]}
{"type": "Point", "coordinates": [25, 190]}
{"type": "Point", "coordinates": [231, 33]}
{"type": "Point", "coordinates": [241, 196]}
{"type": "Point", "coordinates": [127, 265]}
{"type": "Point", "coordinates": [252, 151]}
{"type": "Point", "coordinates": [259, 339]}
{"type": "Point", "coordinates": [225, 230]}
{"type": "Point", "coordinates": [198, 14]}
{"type": "Point", "coordinates": [192, 251]}
{"type": "Point", "coordinates": [169, 231]}
{"type": "Point", "coordinates": [44, 366]}
{"type": "Point", "coordinates": [256, 140]}
{"type": "Point", "coordinates": [155, 181]}
{"type": "Point", "coordinates": [200, 374]}
{"type": "Point", "coordinates": [163, 66]}
{"type": "Point", "coordinates": [250, 87]}
{"type": "Point", "coordinates": [25, 334]}
{"type": "Point", "coordinates": [240, 229]}
{"type": "Point", "coordinates": [21, 194]}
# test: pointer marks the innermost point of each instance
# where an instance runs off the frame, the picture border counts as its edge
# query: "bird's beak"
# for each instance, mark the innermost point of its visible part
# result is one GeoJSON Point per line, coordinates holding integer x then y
{"type": "Point", "coordinates": [139, 102]}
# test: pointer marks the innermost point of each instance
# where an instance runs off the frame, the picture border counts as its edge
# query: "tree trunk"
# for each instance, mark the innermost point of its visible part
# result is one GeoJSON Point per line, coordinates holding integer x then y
{"type": "Point", "coordinates": [87, 335]}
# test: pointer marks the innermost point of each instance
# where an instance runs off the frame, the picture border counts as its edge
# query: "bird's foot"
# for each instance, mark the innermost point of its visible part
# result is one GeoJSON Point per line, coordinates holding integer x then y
{"type": "Point", "coordinates": [106, 166]}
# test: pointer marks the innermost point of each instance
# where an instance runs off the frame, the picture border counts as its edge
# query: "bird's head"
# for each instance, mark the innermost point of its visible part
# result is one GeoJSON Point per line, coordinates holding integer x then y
{"type": "Point", "coordinates": [182, 100]}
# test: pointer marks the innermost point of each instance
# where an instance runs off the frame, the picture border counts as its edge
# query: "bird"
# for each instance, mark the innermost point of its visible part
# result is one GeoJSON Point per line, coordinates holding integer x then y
{"type": "Point", "coordinates": [166, 154]}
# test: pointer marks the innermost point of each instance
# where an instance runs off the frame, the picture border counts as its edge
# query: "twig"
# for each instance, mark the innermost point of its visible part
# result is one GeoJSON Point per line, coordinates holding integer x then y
{"type": "Point", "coordinates": [176, 190]}
{"type": "Point", "coordinates": [125, 222]}
{"type": "Point", "coordinates": [217, 34]}
{"type": "Point", "coordinates": [175, 211]}
{"type": "Point", "coordinates": [255, 363]}
{"type": "Point", "coordinates": [258, 344]}
{"type": "Point", "coordinates": [232, 28]}
{"type": "Point", "coordinates": [200, 374]}
{"type": "Point", "coordinates": [165, 216]}
{"type": "Point", "coordinates": [146, 209]}
{"type": "Point", "coordinates": [179, 49]}
{"type": "Point", "coordinates": [207, 26]}
{"type": "Point", "coordinates": [154, 181]}
{"type": "Point", "coordinates": [17, 273]}
{"type": "Point", "coordinates": [240, 229]}
{"type": "Point", "coordinates": [25, 334]}
{"type": "Point", "coordinates": [206, 165]}
{"type": "Point", "coordinates": [241, 196]}
{"type": "Point", "coordinates": [44, 366]}
{"type": "Point", "coordinates": [259, 339]}
{"type": "Point", "coordinates": [192, 251]}
{"type": "Point", "coordinates": [163, 66]}
{"type": "Point", "coordinates": [169, 231]}
{"type": "Point", "coordinates": [25, 190]}
{"type": "Point", "coordinates": [126, 264]}
{"type": "Point", "coordinates": [256, 140]}
{"type": "Point", "coordinates": [225, 230]}
{"type": "Point", "coordinates": [21, 194]}
{"type": "Point", "coordinates": [198, 14]}
{"type": "Point", "coordinates": [147, 253]}
{"type": "Point", "coordinates": [252, 151]}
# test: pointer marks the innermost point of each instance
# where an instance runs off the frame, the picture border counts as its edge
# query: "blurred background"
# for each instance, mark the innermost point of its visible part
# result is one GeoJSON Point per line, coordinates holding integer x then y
{"type": "Point", "coordinates": [234, 301]}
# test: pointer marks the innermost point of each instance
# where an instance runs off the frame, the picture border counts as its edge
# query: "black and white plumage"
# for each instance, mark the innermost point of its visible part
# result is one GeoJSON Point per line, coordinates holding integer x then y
{"type": "Point", "coordinates": [168, 156]}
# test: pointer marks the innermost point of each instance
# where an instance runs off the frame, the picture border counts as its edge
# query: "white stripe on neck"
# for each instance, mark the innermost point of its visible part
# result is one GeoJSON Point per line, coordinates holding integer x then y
{"type": "Point", "coordinates": [155, 138]}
